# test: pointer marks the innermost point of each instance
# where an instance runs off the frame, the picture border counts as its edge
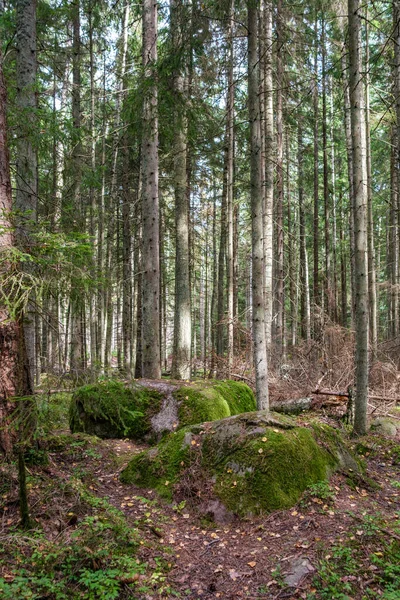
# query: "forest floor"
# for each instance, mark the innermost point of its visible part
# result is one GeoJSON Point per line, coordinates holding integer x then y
{"type": "Point", "coordinates": [342, 540]}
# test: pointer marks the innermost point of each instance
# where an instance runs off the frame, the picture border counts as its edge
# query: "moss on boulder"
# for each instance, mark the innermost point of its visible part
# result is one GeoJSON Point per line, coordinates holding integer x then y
{"type": "Point", "coordinates": [202, 402]}
{"type": "Point", "coordinates": [252, 463]}
{"type": "Point", "coordinates": [149, 409]}
{"type": "Point", "coordinates": [110, 409]}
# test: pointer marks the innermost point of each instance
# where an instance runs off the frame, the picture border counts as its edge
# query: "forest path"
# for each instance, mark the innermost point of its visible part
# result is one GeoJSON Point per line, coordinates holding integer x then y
{"type": "Point", "coordinates": [256, 557]}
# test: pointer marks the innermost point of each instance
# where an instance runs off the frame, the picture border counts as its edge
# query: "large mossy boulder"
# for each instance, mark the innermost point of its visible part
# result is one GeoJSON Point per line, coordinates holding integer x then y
{"type": "Point", "coordinates": [251, 463]}
{"type": "Point", "coordinates": [149, 409]}
{"type": "Point", "coordinates": [110, 409]}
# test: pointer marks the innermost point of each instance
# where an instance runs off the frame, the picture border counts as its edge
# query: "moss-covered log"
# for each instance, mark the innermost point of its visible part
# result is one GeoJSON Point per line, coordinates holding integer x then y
{"type": "Point", "coordinates": [148, 409]}
{"type": "Point", "coordinates": [252, 463]}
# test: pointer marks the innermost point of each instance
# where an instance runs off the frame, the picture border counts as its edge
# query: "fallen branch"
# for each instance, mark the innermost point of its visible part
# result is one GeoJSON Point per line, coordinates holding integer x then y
{"type": "Point", "coordinates": [346, 395]}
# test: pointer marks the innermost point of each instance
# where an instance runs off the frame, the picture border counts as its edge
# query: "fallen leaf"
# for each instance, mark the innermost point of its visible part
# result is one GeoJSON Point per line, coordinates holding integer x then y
{"type": "Point", "coordinates": [252, 564]}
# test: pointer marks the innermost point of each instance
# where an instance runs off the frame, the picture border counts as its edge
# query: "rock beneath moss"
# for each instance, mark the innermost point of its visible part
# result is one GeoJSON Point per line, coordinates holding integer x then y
{"type": "Point", "coordinates": [148, 409]}
{"type": "Point", "coordinates": [251, 463]}
{"type": "Point", "coordinates": [111, 409]}
{"type": "Point", "coordinates": [385, 426]}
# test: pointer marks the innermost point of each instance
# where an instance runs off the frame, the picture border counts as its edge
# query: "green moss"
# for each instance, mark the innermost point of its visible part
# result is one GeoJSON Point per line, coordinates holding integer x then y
{"type": "Point", "coordinates": [272, 474]}
{"type": "Point", "coordinates": [199, 404]}
{"type": "Point", "coordinates": [110, 409]}
{"type": "Point", "coordinates": [203, 402]}
{"type": "Point", "coordinates": [238, 395]}
{"type": "Point", "coordinates": [159, 468]}
{"type": "Point", "coordinates": [252, 462]}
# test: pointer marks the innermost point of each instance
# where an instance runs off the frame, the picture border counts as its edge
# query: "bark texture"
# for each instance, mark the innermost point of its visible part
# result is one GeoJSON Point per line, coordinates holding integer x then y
{"type": "Point", "coordinates": [357, 114]}
{"type": "Point", "coordinates": [151, 363]}
{"type": "Point", "coordinates": [258, 305]}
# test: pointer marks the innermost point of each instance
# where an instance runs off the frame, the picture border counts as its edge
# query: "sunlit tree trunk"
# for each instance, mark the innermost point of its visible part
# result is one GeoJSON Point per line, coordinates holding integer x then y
{"type": "Point", "coordinates": [182, 316]}
{"type": "Point", "coordinates": [258, 306]}
{"type": "Point", "coordinates": [357, 113]}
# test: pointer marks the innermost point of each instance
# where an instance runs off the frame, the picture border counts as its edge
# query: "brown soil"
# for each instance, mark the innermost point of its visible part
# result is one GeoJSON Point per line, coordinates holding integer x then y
{"type": "Point", "coordinates": [245, 558]}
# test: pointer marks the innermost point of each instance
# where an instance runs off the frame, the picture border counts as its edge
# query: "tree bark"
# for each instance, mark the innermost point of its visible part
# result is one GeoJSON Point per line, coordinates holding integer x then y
{"type": "Point", "coordinates": [258, 305]}
{"type": "Point", "coordinates": [26, 178]}
{"type": "Point", "coordinates": [150, 203]}
{"type": "Point", "coordinates": [182, 315]}
{"type": "Point", "coordinates": [357, 113]}
{"type": "Point", "coordinates": [269, 160]}
{"type": "Point", "coordinates": [15, 380]}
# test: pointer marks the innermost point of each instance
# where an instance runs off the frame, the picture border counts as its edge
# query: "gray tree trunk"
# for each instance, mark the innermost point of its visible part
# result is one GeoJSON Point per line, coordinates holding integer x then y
{"type": "Point", "coordinates": [150, 203]}
{"type": "Point", "coordinates": [182, 316]}
{"type": "Point", "coordinates": [269, 160]}
{"type": "Point", "coordinates": [357, 113]}
{"type": "Point", "coordinates": [258, 305]}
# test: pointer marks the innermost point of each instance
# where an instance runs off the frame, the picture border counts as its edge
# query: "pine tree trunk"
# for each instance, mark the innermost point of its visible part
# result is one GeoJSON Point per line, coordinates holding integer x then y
{"type": "Point", "coordinates": [182, 316]}
{"type": "Point", "coordinates": [259, 338]}
{"type": "Point", "coordinates": [15, 380]}
{"type": "Point", "coordinates": [150, 204]}
{"type": "Point", "coordinates": [230, 184]}
{"type": "Point", "coordinates": [26, 176]}
{"type": "Point", "coordinates": [316, 291]}
{"type": "Point", "coordinates": [304, 287]}
{"type": "Point", "coordinates": [279, 276]}
{"type": "Point", "coordinates": [357, 112]}
{"type": "Point", "coordinates": [372, 290]}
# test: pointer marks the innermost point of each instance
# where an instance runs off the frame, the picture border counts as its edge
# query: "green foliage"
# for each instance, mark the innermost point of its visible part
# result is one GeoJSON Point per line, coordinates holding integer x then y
{"type": "Point", "coordinates": [320, 491]}
{"type": "Point", "coordinates": [97, 560]}
{"type": "Point", "coordinates": [52, 411]}
{"type": "Point", "coordinates": [111, 409]}
{"type": "Point", "coordinates": [367, 554]}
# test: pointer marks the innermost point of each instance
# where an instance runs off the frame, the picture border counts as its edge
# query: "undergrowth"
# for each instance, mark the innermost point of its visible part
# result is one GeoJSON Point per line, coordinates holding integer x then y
{"type": "Point", "coordinates": [366, 564]}
{"type": "Point", "coordinates": [81, 546]}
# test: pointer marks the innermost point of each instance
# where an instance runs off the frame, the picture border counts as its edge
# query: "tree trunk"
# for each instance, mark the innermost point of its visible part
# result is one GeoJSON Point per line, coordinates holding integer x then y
{"type": "Point", "coordinates": [279, 277]}
{"type": "Point", "coordinates": [230, 99]}
{"type": "Point", "coordinates": [304, 287]}
{"type": "Point", "coordinates": [182, 316]}
{"type": "Point", "coordinates": [150, 204]}
{"type": "Point", "coordinates": [372, 290]}
{"type": "Point", "coordinates": [259, 338]}
{"type": "Point", "coordinates": [26, 178]}
{"type": "Point", "coordinates": [316, 291]}
{"type": "Point", "coordinates": [357, 113]}
{"type": "Point", "coordinates": [15, 380]}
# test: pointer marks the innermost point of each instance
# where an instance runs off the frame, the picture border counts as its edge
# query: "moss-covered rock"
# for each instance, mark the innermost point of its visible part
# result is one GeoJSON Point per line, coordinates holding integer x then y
{"type": "Point", "coordinates": [385, 426]}
{"type": "Point", "coordinates": [110, 409]}
{"type": "Point", "coordinates": [149, 409]}
{"type": "Point", "coordinates": [202, 402]}
{"type": "Point", "coordinates": [252, 462]}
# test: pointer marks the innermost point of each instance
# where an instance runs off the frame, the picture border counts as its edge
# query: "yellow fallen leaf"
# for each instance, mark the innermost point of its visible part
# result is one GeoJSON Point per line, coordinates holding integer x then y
{"type": "Point", "coordinates": [264, 439]}
{"type": "Point", "coordinates": [252, 564]}
{"type": "Point", "coordinates": [294, 513]}
{"type": "Point", "coordinates": [260, 451]}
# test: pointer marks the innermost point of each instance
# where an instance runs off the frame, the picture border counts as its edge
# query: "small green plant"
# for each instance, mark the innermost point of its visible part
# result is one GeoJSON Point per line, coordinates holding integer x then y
{"type": "Point", "coordinates": [320, 492]}
{"type": "Point", "coordinates": [97, 560]}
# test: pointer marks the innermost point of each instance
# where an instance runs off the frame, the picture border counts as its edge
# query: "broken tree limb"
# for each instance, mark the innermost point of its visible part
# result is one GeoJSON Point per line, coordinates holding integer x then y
{"type": "Point", "coordinates": [346, 395]}
{"type": "Point", "coordinates": [291, 407]}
